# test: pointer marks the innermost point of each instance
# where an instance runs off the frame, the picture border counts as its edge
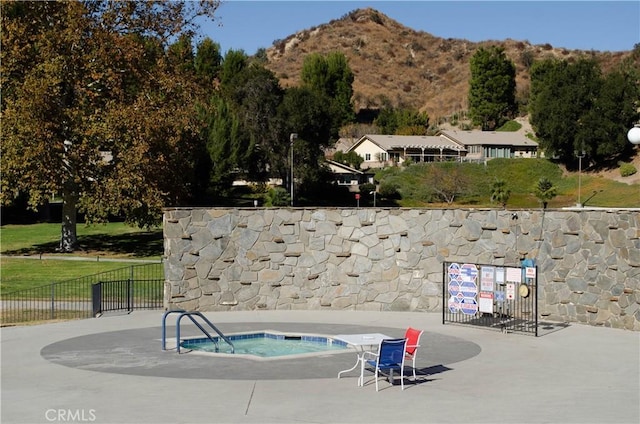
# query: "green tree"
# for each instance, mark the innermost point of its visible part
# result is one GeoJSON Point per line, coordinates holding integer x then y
{"type": "Point", "coordinates": [402, 121]}
{"type": "Point", "coordinates": [207, 61]}
{"type": "Point", "coordinates": [562, 94]}
{"type": "Point", "coordinates": [545, 191]}
{"type": "Point", "coordinates": [207, 67]}
{"type": "Point", "coordinates": [277, 196]}
{"type": "Point", "coordinates": [306, 113]}
{"type": "Point", "coordinates": [492, 88]}
{"type": "Point", "coordinates": [500, 193]}
{"type": "Point", "coordinates": [265, 146]}
{"type": "Point", "coordinates": [231, 74]}
{"type": "Point", "coordinates": [255, 95]}
{"type": "Point", "coordinates": [93, 108]}
{"type": "Point", "coordinates": [221, 134]}
{"type": "Point", "coordinates": [387, 121]}
{"type": "Point", "coordinates": [602, 128]}
{"type": "Point", "coordinates": [331, 76]}
{"type": "Point", "coordinates": [180, 55]}
{"type": "Point", "coordinates": [351, 158]}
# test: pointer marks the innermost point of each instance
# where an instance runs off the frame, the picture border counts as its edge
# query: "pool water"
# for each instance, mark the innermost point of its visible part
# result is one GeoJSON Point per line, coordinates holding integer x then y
{"type": "Point", "coordinates": [267, 345]}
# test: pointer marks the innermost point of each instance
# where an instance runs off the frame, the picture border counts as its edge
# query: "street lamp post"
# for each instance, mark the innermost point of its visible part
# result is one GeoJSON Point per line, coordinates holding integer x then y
{"type": "Point", "coordinates": [634, 136]}
{"type": "Point", "coordinates": [374, 198]}
{"type": "Point", "coordinates": [580, 155]}
{"type": "Point", "coordinates": [292, 138]}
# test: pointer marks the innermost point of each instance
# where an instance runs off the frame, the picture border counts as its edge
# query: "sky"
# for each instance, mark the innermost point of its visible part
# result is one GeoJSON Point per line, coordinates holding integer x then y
{"type": "Point", "coordinates": [584, 25]}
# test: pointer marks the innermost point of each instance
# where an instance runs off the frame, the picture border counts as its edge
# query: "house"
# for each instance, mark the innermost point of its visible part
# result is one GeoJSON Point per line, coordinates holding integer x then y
{"type": "Point", "coordinates": [348, 176]}
{"type": "Point", "coordinates": [379, 151]}
{"type": "Point", "coordinates": [485, 145]}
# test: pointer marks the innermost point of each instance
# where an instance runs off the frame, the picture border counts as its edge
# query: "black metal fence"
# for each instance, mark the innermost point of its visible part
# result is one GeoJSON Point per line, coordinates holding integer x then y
{"type": "Point", "coordinates": [129, 288]}
{"type": "Point", "coordinates": [497, 297]}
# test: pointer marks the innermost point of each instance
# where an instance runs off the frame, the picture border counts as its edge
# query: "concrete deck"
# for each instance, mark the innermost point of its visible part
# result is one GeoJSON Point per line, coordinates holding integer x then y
{"type": "Point", "coordinates": [112, 370]}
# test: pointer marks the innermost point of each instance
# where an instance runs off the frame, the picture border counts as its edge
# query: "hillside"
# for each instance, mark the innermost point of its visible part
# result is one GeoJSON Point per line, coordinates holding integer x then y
{"type": "Point", "coordinates": [396, 64]}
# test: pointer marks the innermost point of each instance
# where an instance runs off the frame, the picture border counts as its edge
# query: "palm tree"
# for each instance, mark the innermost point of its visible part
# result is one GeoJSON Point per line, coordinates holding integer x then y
{"type": "Point", "coordinates": [545, 191]}
{"type": "Point", "coordinates": [500, 193]}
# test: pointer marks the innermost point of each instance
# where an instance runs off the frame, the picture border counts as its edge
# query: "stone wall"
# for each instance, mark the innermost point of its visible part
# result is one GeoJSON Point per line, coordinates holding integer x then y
{"type": "Point", "coordinates": [392, 259]}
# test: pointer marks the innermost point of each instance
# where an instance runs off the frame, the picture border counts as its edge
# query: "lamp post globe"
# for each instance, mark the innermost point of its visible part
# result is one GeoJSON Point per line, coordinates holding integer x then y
{"type": "Point", "coordinates": [634, 135]}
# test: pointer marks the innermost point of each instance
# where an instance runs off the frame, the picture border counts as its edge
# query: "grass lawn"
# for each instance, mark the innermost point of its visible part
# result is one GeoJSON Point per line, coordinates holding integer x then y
{"type": "Point", "coordinates": [520, 176]}
{"type": "Point", "coordinates": [113, 240]}
{"type": "Point", "coordinates": [19, 274]}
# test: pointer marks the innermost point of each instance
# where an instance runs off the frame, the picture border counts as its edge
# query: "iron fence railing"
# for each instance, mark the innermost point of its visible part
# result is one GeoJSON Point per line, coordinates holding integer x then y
{"type": "Point", "coordinates": [491, 296]}
{"type": "Point", "coordinates": [128, 288]}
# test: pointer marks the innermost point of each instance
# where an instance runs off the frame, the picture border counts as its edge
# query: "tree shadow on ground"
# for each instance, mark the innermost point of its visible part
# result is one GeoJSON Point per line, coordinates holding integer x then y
{"type": "Point", "coordinates": [139, 244]}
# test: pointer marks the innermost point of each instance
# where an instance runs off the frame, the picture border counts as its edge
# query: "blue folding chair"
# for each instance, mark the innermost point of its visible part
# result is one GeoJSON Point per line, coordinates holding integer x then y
{"type": "Point", "coordinates": [389, 358]}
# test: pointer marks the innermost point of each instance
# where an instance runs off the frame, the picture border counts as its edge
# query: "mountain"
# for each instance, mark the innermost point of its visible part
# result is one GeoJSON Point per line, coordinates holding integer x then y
{"type": "Point", "coordinates": [396, 65]}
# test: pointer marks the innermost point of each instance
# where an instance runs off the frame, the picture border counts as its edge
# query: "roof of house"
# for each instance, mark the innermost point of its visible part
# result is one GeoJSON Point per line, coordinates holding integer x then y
{"type": "Point", "coordinates": [489, 138]}
{"type": "Point", "coordinates": [345, 143]}
{"type": "Point", "coordinates": [390, 142]}
{"type": "Point", "coordinates": [341, 168]}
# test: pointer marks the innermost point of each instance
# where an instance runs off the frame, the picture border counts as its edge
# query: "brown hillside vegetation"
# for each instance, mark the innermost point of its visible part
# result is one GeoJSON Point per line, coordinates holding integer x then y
{"type": "Point", "coordinates": [396, 65]}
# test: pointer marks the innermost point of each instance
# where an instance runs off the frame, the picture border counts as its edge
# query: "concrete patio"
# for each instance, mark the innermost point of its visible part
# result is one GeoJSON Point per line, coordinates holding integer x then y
{"type": "Point", "coordinates": [112, 370]}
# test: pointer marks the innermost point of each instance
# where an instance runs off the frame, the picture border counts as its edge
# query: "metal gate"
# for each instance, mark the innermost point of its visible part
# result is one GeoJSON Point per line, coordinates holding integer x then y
{"type": "Point", "coordinates": [127, 295]}
{"type": "Point", "coordinates": [496, 297]}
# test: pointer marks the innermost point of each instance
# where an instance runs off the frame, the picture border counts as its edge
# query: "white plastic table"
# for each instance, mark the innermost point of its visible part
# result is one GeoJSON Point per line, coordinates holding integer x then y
{"type": "Point", "coordinates": [360, 342]}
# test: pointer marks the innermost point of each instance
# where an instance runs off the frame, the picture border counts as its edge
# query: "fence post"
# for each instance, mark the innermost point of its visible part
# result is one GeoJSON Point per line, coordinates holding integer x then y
{"type": "Point", "coordinates": [130, 295]}
{"type": "Point", "coordinates": [96, 298]}
{"type": "Point", "coordinates": [53, 299]}
{"type": "Point", "coordinates": [130, 290]}
{"type": "Point", "coordinates": [445, 298]}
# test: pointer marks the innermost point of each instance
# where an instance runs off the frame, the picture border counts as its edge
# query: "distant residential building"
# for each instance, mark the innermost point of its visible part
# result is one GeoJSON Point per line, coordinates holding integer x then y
{"type": "Point", "coordinates": [348, 176]}
{"type": "Point", "coordinates": [485, 145]}
{"type": "Point", "coordinates": [379, 151]}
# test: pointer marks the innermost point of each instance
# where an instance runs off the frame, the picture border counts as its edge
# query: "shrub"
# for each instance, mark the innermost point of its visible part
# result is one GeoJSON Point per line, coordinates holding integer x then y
{"type": "Point", "coordinates": [366, 188]}
{"type": "Point", "coordinates": [458, 55]}
{"type": "Point", "coordinates": [376, 18]}
{"type": "Point", "coordinates": [527, 58]}
{"type": "Point", "coordinates": [627, 169]}
{"type": "Point", "coordinates": [389, 190]}
{"type": "Point", "coordinates": [416, 46]}
{"type": "Point", "coordinates": [277, 197]}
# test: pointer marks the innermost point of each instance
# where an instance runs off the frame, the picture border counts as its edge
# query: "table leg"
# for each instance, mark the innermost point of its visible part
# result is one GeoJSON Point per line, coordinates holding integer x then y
{"type": "Point", "coordinates": [361, 379]}
{"type": "Point", "coordinates": [352, 368]}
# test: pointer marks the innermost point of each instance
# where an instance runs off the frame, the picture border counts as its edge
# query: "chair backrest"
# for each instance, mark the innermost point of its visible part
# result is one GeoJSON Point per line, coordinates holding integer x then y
{"type": "Point", "coordinates": [391, 352]}
{"type": "Point", "coordinates": [413, 339]}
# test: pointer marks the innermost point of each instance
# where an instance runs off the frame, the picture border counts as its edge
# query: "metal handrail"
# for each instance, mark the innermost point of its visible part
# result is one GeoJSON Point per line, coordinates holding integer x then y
{"type": "Point", "coordinates": [190, 316]}
{"type": "Point", "coordinates": [164, 325]}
